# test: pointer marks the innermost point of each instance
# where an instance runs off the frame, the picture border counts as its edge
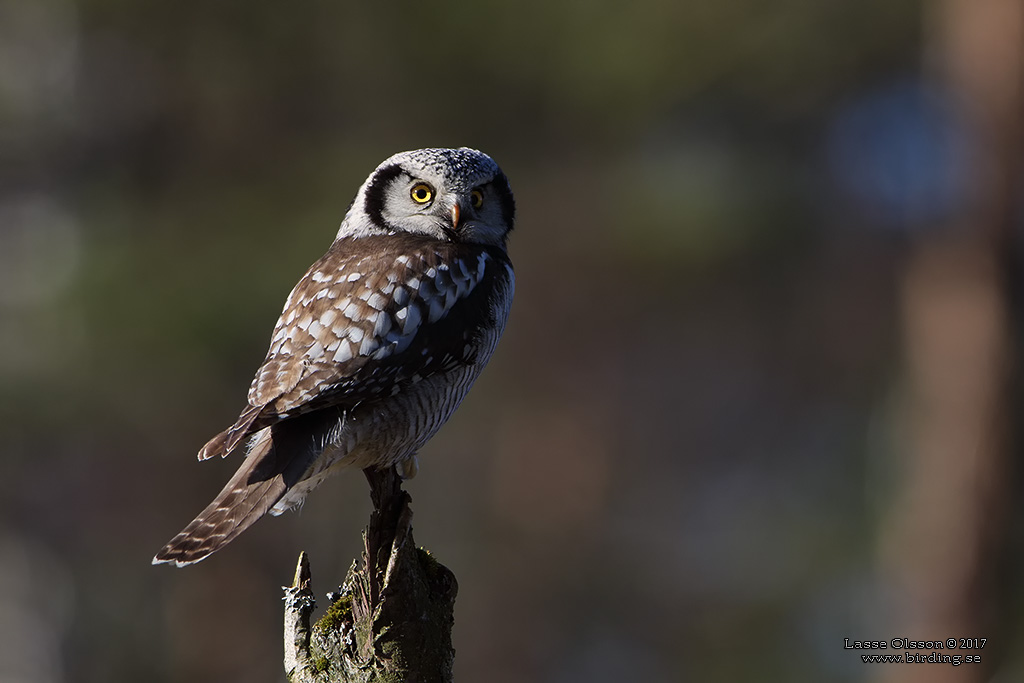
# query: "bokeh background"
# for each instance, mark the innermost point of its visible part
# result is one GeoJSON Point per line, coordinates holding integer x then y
{"type": "Point", "coordinates": [758, 392]}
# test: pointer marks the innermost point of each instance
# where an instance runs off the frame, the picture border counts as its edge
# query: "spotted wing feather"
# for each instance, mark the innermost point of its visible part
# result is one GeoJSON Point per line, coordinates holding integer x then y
{"type": "Point", "coordinates": [371, 317]}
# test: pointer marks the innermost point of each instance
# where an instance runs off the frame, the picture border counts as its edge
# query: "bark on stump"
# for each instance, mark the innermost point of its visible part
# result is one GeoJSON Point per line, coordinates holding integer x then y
{"type": "Point", "coordinates": [392, 618]}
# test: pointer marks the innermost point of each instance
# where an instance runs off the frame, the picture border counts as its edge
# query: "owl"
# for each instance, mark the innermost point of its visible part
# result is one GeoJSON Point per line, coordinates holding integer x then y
{"type": "Point", "coordinates": [377, 344]}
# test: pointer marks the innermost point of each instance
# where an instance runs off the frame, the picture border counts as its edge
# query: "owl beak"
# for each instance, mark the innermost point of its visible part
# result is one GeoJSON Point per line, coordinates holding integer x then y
{"type": "Point", "coordinates": [455, 216]}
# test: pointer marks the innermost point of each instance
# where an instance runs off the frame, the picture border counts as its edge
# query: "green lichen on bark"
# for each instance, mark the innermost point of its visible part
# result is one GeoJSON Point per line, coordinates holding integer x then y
{"type": "Point", "coordinates": [338, 614]}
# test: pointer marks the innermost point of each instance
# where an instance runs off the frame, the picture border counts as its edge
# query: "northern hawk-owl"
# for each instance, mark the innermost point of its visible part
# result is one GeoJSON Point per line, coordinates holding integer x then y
{"type": "Point", "coordinates": [378, 342]}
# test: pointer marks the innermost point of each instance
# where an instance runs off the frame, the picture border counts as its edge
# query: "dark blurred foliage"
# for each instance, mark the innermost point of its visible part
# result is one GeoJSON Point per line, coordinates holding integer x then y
{"type": "Point", "coordinates": [677, 464]}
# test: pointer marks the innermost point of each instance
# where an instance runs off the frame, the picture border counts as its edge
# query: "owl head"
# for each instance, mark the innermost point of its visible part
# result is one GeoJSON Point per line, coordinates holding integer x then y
{"type": "Point", "coordinates": [454, 195]}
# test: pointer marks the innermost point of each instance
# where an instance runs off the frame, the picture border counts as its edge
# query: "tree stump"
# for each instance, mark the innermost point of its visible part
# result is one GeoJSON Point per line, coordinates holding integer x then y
{"type": "Point", "coordinates": [392, 618]}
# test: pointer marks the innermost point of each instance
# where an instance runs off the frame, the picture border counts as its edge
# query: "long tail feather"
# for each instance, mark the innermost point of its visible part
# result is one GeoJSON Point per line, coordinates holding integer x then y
{"type": "Point", "coordinates": [243, 500]}
{"type": "Point", "coordinates": [280, 457]}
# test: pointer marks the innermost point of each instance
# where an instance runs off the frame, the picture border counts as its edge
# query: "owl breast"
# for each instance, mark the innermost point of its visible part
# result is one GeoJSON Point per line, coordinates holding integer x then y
{"type": "Point", "coordinates": [387, 431]}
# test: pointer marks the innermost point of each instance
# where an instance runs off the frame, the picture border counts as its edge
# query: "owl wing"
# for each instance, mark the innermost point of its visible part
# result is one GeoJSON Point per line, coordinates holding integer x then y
{"type": "Point", "coordinates": [372, 317]}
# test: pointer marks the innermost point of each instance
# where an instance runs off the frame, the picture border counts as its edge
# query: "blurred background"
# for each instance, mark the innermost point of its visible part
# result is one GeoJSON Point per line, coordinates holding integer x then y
{"type": "Point", "coordinates": [759, 389]}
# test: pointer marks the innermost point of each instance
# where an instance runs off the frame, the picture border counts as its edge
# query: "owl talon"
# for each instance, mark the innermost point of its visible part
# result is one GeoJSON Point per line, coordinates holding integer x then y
{"type": "Point", "coordinates": [408, 468]}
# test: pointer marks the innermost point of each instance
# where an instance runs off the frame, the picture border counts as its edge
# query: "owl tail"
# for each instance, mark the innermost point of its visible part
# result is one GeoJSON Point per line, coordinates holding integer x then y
{"type": "Point", "coordinates": [279, 457]}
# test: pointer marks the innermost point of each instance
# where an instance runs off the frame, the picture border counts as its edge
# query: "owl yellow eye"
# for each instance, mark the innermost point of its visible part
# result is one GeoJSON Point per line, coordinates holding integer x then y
{"type": "Point", "coordinates": [422, 193]}
{"type": "Point", "coordinates": [476, 198]}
